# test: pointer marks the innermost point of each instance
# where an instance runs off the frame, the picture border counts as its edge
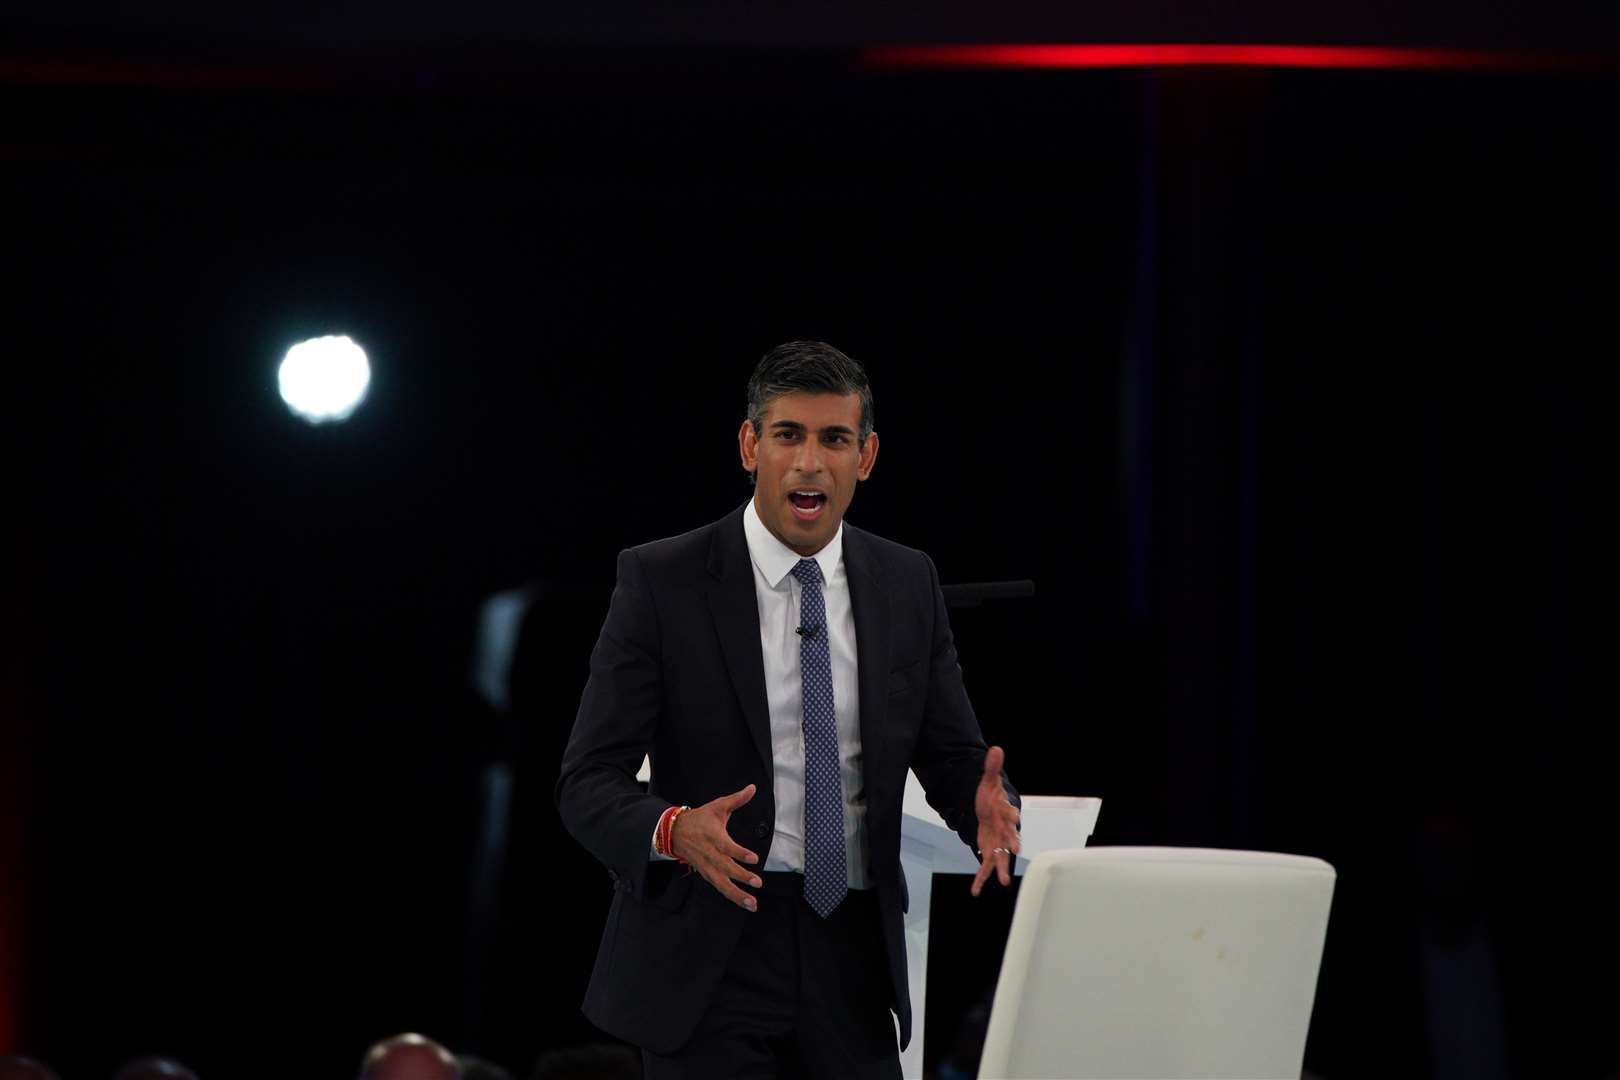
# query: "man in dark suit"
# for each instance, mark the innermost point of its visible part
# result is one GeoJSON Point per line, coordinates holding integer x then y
{"type": "Point", "coordinates": [783, 670]}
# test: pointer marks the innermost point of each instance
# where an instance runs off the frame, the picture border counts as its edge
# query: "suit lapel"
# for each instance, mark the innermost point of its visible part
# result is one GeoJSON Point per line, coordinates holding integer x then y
{"type": "Point", "coordinates": [736, 621]}
{"type": "Point", "coordinates": [870, 605]}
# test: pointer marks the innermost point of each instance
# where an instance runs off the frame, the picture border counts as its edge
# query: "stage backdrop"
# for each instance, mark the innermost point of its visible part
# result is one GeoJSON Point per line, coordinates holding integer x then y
{"type": "Point", "coordinates": [1280, 385]}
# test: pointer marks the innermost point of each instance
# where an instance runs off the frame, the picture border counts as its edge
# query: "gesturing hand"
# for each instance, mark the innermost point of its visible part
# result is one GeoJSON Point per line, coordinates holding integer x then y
{"type": "Point", "coordinates": [998, 823]}
{"type": "Point", "coordinates": [700, 838]}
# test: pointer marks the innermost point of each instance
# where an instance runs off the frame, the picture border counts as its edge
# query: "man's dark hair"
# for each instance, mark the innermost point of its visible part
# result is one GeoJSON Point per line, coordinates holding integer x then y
{"type": "Point", "coordinates": [811, 367]}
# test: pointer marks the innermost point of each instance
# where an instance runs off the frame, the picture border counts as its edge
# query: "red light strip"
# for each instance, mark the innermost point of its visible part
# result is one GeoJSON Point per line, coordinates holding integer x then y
{"type": "Point", "coordinates": [302, 76]}
{"type": "Point", "coordinates": [1181, 55]}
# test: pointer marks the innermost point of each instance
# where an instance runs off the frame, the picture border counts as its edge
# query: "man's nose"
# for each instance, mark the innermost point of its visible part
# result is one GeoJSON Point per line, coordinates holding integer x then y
{"type": "Point", "coordinates": [809, 457]}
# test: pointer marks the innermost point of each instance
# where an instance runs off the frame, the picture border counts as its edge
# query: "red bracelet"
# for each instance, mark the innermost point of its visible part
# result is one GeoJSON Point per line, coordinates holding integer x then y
{"type": "Point", "coordinates": [663, 835]}
{"type": "Point", "coordinates": [669, 833]}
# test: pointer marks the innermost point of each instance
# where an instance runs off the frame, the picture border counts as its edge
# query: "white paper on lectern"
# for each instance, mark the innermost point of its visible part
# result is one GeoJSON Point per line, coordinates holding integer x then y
{"type": "Point", "coordinates": [1046, 823]}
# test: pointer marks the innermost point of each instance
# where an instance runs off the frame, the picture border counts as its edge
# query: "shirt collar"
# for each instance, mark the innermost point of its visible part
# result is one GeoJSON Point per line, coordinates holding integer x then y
{"type": "Point", "coordinates": [775, 559]}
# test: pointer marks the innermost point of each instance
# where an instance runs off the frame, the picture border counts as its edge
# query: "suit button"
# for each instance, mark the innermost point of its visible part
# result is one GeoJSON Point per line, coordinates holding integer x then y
{"type": "Point", "coordinates": [761, 831]}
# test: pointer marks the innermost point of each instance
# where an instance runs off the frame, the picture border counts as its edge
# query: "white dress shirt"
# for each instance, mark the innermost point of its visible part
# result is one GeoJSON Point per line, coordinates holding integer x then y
{"type": "Point", "coordinates": [777, 592]}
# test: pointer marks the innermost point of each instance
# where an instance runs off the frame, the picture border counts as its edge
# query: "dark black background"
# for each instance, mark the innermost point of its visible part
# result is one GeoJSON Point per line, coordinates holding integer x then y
{"type": "Point", "coordinates": [1284, 388]}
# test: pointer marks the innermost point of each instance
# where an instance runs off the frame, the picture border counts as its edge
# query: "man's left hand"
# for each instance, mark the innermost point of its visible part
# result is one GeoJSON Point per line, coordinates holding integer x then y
{"type": "Point", "coordinates": [998, 823]}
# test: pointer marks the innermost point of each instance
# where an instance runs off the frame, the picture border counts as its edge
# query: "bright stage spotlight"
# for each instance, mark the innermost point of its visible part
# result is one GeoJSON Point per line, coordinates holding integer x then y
{"type": "Point", "coordinates": [324, 379]}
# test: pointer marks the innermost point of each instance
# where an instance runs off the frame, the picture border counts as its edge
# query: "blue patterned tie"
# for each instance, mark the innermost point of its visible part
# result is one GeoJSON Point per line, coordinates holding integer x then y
{"type": "Point", "coordinates": [826, 877]}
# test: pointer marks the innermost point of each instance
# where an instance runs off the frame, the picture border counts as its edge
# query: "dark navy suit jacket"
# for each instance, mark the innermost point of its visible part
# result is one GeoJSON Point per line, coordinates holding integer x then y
{"type": "Point", "coordinates": [678, 671]}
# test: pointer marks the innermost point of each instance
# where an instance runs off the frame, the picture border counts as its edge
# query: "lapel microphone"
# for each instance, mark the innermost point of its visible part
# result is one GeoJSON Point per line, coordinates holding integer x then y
{"type": "Point", "coordinates": [806, 631]}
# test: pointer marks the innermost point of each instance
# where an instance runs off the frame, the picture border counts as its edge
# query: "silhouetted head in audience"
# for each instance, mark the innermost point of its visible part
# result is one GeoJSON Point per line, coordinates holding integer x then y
{"type": "Point", "coordinates": [21, 1068]}
{"type": "Point", "coordinates": [592, 1061]}
{"type": "Point", "coordinates": [155, 1068]}
{"type": "Point", "coordinates": [409, 1057]}
{"type": "Point", "coordinates": [473, 1068]}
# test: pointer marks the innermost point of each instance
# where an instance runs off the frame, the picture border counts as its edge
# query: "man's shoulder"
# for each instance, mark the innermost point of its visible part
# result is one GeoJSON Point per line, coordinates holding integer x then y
{"type": "Point", "coordinates": [887, 555]}
{"type": "Point", "coordinates": [687, 550]}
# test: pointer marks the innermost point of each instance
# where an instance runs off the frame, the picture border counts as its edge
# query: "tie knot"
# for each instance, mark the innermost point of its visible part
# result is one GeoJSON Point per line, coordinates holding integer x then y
{"type": "Point", "coordinates": [808, 572]}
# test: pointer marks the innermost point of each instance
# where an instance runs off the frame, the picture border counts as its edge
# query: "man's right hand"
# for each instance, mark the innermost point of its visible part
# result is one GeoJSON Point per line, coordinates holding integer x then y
{"type": "Point", "coordinates": [700, 839]}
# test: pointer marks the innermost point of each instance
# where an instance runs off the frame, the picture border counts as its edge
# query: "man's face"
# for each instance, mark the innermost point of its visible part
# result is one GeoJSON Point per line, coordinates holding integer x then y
{"type": "Point", "coordinates": [806, 464]}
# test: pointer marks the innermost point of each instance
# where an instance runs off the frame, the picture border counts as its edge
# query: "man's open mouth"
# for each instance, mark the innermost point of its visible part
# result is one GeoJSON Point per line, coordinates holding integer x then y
{"type": "Point", "coordinates": [807, 503]}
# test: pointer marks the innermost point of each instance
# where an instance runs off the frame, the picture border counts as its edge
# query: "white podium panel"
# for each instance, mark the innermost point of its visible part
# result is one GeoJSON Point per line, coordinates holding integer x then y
{"type": "Point", "coordinates": [928, 847]}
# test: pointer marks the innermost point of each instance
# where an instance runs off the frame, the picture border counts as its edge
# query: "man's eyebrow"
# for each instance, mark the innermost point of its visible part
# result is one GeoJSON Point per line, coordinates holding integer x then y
{"type": "Point", "coordinates": [830, 429]}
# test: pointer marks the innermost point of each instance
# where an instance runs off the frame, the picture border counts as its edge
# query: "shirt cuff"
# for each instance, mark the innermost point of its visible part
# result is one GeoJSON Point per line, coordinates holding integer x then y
{"type": "Point", "coordinates": [652, 846]}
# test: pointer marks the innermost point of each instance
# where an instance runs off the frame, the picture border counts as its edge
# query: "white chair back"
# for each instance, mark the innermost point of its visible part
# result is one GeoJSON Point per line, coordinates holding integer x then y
{"type": "Point", "coordinates": [1127, 962]}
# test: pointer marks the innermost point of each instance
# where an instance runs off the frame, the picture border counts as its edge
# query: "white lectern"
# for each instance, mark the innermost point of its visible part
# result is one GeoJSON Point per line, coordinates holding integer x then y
{"type": "Point", "coordinates": [928, 847]}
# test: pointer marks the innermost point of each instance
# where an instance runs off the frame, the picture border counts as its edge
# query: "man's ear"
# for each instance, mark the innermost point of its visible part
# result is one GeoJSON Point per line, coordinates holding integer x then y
{"type": "Point", "coordinates": [863, 468]}
{"type": "Point", "coordinates": [748, 447]}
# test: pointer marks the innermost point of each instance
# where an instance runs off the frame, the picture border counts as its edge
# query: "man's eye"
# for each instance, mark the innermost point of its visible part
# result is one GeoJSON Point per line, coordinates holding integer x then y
{"type": "Point", "coordinates": [835, 440]}
{"type": "Point", "coordinates": [787, 434]}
